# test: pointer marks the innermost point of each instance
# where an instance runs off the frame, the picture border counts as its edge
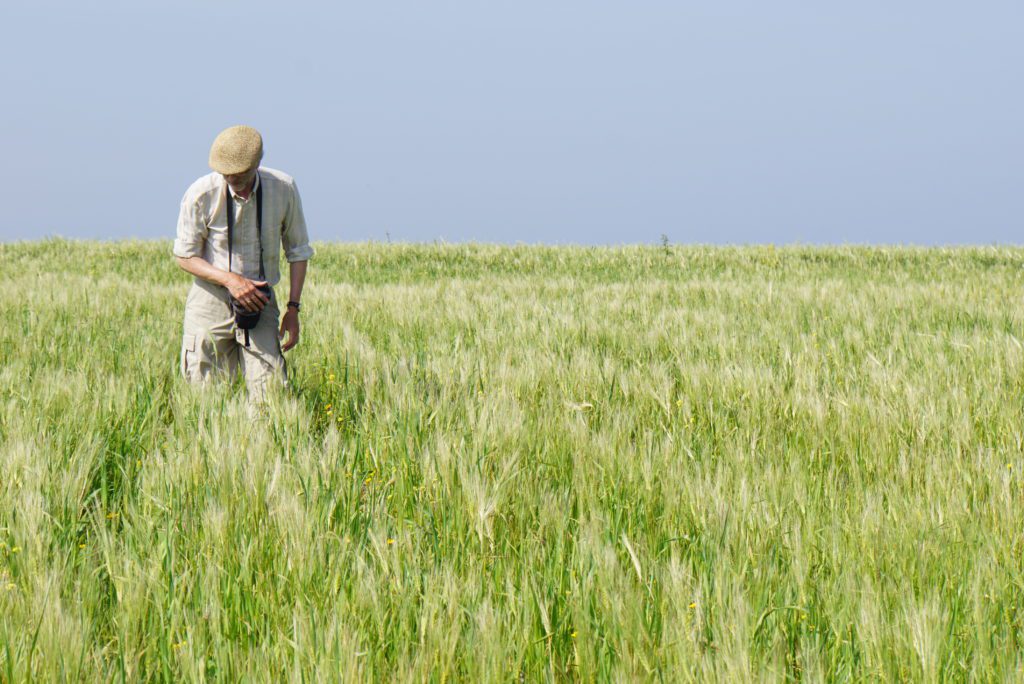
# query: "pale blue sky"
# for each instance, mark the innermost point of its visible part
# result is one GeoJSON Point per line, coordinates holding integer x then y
{"type": "Point", "coordinates": [565, 121]}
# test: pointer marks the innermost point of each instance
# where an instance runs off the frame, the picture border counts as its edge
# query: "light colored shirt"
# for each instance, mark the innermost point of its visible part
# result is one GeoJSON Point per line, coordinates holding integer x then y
{"type": "Point", "coordinates": [203, 225]}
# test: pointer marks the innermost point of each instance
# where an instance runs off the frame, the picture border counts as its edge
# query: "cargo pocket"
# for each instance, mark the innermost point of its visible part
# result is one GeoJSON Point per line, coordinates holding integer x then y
{"type": "Point", "coordinates": [188, 357]}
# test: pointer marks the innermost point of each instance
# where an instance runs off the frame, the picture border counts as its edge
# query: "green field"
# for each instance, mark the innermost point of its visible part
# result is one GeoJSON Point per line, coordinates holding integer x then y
{"type": "Point", "coordinates": [522, 464]}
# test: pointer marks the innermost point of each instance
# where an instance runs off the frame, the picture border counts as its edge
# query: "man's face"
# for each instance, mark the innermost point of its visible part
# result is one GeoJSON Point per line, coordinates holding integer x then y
{"type": "Point", "coordinates": [240, 182]}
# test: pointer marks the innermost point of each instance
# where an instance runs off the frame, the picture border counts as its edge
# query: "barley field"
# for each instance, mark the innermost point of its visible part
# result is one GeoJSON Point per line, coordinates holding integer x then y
{"type": "Point", "coordinates": [645, 463]}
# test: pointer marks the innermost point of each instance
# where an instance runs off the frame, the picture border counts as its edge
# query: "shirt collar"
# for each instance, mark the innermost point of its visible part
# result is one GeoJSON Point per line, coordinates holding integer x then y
{"type": "Point", "coordinates": [255, 187]}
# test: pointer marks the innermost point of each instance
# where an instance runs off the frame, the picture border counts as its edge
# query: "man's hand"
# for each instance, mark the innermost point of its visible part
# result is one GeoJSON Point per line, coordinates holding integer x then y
{"type": "Point", "coordinates": [290, 325]}
{"type": "Point", "coordinates": [246, 292]}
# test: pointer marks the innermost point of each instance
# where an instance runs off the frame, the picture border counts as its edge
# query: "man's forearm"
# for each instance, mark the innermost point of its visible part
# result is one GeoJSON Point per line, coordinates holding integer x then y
{"type": "Point", "coordinates": [297, 273]}
{"type": "Point", "coordinates": [201, 268]}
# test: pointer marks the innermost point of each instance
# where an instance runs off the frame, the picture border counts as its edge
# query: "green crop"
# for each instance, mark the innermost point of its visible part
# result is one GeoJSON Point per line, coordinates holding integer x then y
{"type": "Point", "coordinates": [521, 464]}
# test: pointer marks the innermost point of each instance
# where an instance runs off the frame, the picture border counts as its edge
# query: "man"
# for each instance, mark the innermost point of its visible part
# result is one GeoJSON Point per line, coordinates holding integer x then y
{"type": "Point", "coordinates": [266, 215]}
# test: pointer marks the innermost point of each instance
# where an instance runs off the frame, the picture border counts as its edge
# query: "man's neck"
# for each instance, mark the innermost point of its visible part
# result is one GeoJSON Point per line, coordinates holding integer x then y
{"type": "Point", "coordinates": [244, 194]}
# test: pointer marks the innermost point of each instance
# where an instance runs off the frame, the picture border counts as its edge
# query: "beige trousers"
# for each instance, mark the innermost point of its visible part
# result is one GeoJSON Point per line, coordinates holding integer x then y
{"type": "Point", "coordinates": [212, 346]}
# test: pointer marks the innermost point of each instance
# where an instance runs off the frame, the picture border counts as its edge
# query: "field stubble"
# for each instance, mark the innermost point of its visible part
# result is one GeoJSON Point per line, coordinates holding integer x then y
{"type": "Point", "coordinates": [503, 463]}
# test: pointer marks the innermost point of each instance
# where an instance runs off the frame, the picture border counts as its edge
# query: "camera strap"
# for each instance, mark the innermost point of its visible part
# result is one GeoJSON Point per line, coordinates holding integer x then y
{"type": "Point", "coordinates": [259, 229]}
{"type": "Point", "coordinates": [259, 221]}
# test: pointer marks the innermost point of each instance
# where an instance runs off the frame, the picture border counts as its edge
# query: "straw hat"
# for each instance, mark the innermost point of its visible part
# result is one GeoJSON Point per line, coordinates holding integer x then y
{"type": "Point", "coordinates": [236, 150]}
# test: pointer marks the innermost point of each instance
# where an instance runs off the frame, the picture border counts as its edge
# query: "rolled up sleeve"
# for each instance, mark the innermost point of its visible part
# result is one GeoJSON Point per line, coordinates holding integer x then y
{"type": "Point", "coordinates": [294, 236]}
{"type": "Point", "coordinates": [192, 229]}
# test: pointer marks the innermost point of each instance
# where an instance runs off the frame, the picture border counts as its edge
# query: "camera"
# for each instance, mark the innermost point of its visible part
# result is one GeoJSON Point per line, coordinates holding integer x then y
{"type": "Point", "coordinates": [244, 319]}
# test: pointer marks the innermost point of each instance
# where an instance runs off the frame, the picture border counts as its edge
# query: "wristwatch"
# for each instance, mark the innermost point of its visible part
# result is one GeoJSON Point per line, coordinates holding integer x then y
{"type": "Point", "coordinates": [298, 307]}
